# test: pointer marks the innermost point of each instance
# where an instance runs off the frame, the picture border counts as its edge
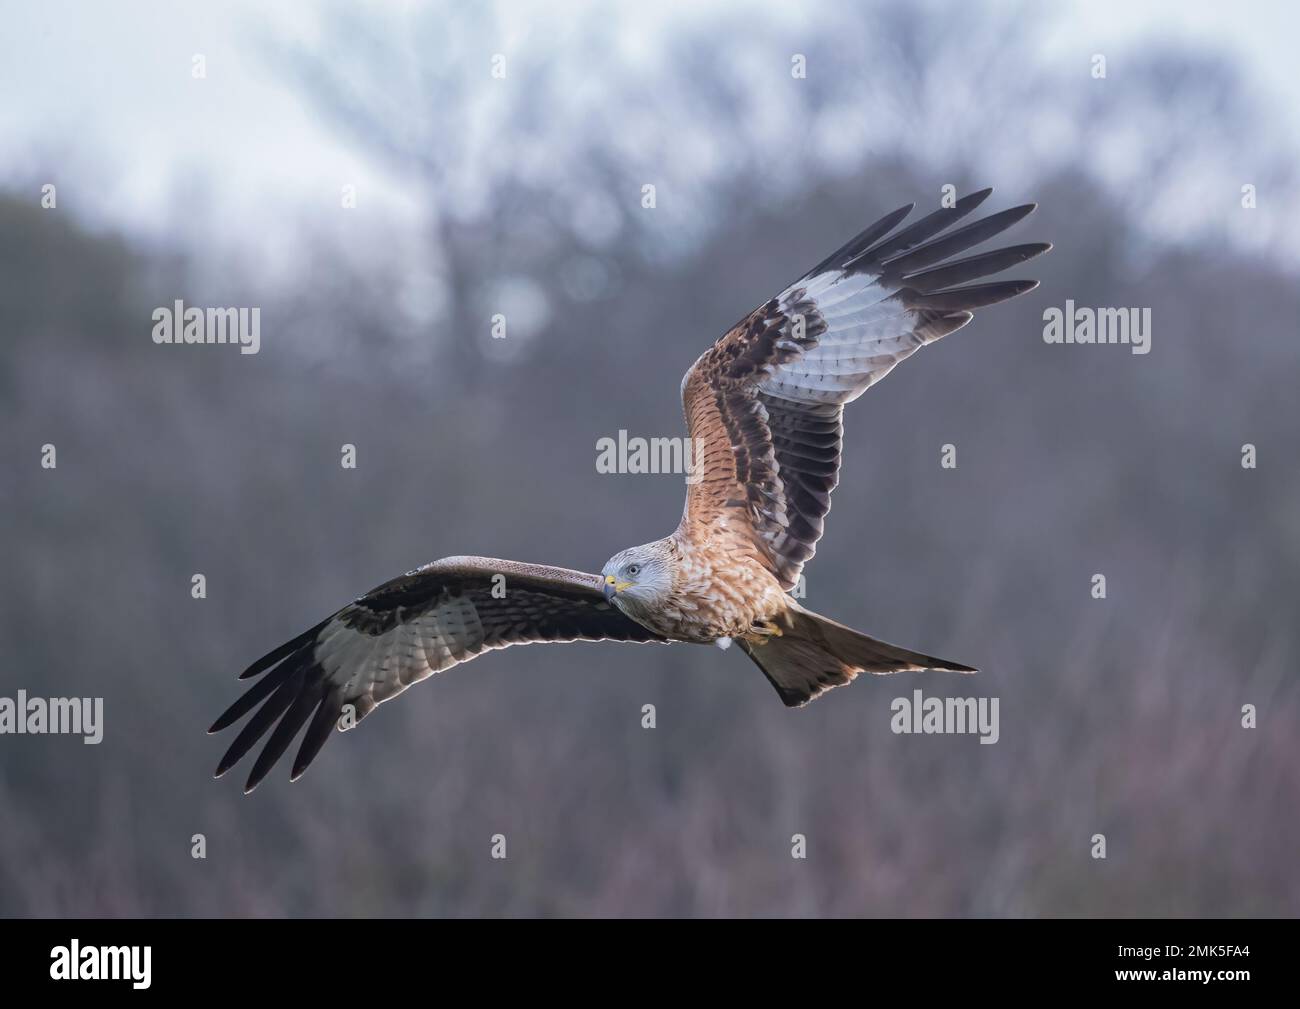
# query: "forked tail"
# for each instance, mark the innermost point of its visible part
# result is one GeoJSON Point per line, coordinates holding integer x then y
{"type": "Point", "coordinates": [816, 653]}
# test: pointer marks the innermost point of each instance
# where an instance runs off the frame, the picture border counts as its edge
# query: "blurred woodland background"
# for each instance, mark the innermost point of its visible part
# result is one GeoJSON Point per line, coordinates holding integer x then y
{"type": "Point", "coordinates": [1119, 716]}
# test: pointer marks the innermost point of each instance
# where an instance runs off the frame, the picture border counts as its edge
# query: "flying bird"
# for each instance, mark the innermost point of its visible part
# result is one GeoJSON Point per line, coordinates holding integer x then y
{"type": "Point", "coordinates": [765, 407]}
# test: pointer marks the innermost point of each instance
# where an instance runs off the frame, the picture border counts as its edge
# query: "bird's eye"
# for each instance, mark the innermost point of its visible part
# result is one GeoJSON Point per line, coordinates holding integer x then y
{"type": "Point", "coordinates": [633, 570]}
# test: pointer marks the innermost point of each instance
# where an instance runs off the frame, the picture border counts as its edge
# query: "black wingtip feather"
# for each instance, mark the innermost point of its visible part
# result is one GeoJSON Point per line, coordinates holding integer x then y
{"type": "Point", "coordinates": [317, 735]}
{"type": "Point", "coordinates": [276, 654]}
{"type": "Point", "coordinates": [288, 697]}
{"type": "Point", "coordinates": [951, 243]}
{"type": "Point", "coordinates": [963, 299]}
{"type": "Point", "coordinates": [274, 706]}
{"type": "Point", "coordinates": [913, 235]}
{"type": "Point", "coordinates": [869, 235]}
{"type": "Point", "coordinates": [245, 703]}
{"type": "Point", "coordinates": [304, 704]}
{"type": "Point", "coordinates": [959, 271]}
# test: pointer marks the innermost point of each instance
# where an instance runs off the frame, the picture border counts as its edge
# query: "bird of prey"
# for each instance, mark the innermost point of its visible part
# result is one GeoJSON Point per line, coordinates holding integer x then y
{"type": "Point", "coordinates": [764, 406]}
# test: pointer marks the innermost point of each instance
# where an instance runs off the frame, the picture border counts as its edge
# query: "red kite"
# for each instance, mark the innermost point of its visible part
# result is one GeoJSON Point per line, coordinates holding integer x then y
{"type": "Point", "coordinates": [765, 406]}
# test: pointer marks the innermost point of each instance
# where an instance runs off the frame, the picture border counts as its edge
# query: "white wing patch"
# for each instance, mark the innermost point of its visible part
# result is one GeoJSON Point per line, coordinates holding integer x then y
{"type": "Point", "coordinates": [382, 666]}
{"type": "Point", "coordinates": [868, 331]}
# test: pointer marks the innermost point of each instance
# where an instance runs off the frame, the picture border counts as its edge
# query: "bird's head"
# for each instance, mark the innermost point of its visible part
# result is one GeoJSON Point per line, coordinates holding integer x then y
{"type": "Point", "coordinates": [639, 577]}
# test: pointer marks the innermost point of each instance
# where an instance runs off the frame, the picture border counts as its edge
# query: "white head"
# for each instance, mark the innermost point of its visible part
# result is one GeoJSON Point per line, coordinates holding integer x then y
{"type": "Point", "coordinates": [640, 578]}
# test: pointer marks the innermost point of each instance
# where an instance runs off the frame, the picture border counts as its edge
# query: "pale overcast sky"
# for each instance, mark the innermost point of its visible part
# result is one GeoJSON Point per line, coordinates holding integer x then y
{"type": "Point", "coordinates": [105, 88]}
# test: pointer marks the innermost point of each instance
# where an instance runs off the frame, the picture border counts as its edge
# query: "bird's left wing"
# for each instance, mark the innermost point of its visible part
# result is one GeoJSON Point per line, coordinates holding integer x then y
{"type": "Point", "coordinates": [407, 629]}
{"type": "Point", "coordinates": [764, 405]}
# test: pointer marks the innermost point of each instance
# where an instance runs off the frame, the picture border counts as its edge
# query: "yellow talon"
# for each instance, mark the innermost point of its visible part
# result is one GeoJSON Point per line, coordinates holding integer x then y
{"type": "Point", "coordinates": [760, 634]}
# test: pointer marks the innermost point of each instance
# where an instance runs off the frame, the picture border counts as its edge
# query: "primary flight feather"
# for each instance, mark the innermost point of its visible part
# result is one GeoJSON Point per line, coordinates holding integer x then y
{"type": "Point", "coordinates": [765, 405]}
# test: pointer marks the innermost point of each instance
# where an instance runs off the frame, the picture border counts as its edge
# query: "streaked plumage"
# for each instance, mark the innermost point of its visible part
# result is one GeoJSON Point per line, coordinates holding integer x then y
{"type": "Point", "coordinates": [766, 404]}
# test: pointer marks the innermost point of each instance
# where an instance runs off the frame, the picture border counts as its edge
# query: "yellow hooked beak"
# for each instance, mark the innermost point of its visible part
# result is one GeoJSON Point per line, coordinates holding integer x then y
{"type": "Point", "coordinates": [613, 586]}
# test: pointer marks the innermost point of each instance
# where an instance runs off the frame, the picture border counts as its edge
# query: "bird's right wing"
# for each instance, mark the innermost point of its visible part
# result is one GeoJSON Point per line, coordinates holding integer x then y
{"type": "Point", "coordinates": [407, 629]}
{"type": "Point", "coordinates": [765, 403]}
